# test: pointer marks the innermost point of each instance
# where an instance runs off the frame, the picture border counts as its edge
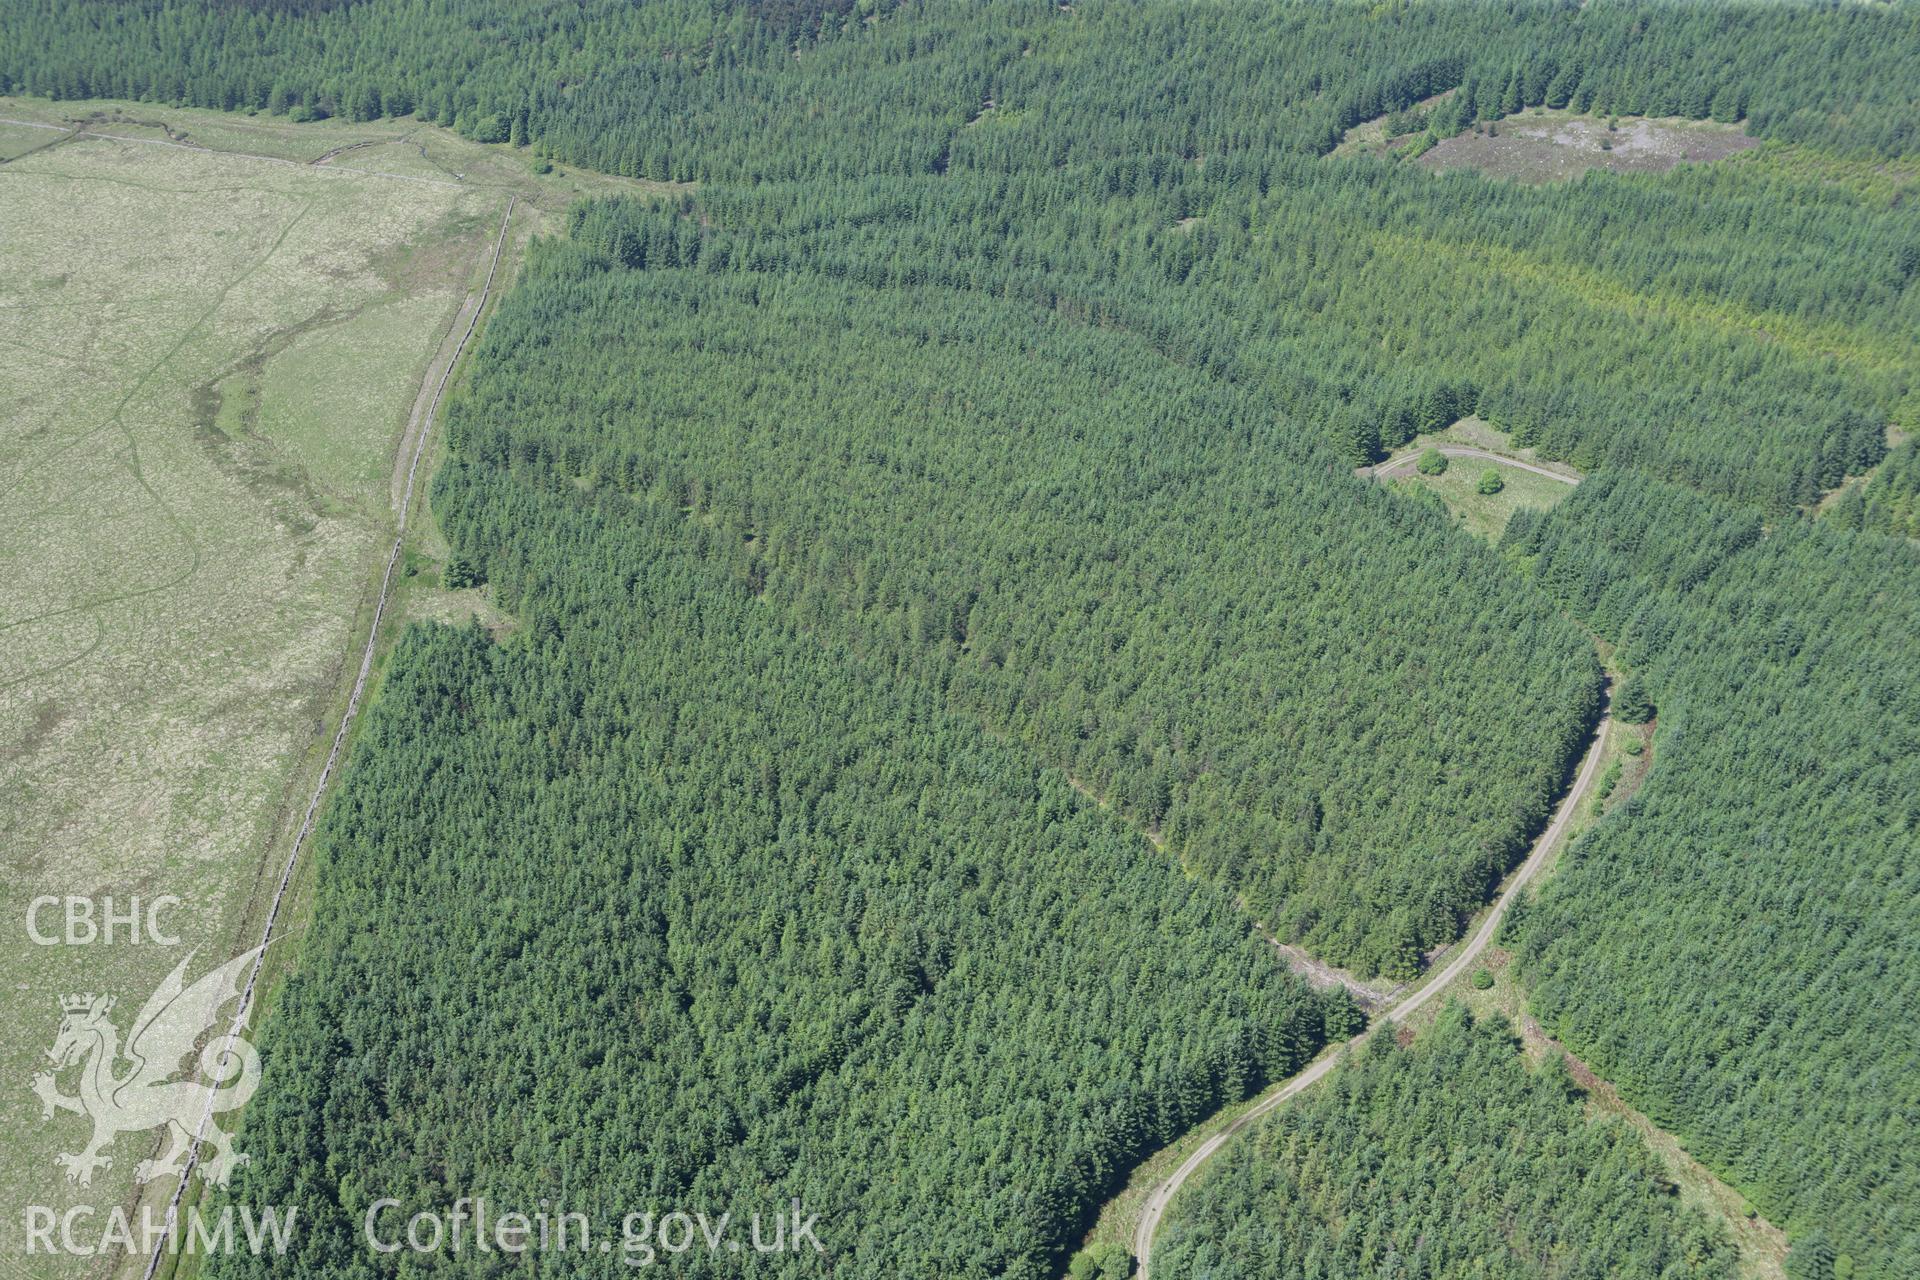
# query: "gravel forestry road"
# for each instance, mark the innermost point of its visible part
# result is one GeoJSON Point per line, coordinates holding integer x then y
{"type": "Point", "coordinates": [1162, 1196]}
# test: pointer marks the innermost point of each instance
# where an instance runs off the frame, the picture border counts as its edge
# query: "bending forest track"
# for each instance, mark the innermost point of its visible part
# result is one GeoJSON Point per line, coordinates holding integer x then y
{"type": "Point", "coordinates": [1543, 847]}
{"type": "Point", "coordinates": [339, 737]}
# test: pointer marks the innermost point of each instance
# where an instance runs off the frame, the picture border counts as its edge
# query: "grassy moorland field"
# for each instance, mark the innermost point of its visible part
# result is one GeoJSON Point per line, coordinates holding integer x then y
{"type": "Point", "coordinates": [209, 362]}
{"type": "Point", "coordinates": [215, 332]}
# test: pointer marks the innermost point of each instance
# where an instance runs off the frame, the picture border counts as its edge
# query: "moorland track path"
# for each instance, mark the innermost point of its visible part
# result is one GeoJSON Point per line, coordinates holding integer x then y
{"type": "Point", "coordinates": [86, 129]}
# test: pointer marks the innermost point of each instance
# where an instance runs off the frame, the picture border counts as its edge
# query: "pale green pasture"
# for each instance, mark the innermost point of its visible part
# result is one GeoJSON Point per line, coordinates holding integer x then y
{"type": "Point", "coordinates": [208, 363]}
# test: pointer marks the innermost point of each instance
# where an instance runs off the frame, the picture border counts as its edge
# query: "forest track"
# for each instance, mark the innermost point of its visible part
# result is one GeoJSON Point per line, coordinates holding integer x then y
{"type": "Point", "coordinates": [1395, 465]}
{"type": "Point", "coordinates": [347, 717]}
{"type": "Point", "coordinates": [1325, 1064]}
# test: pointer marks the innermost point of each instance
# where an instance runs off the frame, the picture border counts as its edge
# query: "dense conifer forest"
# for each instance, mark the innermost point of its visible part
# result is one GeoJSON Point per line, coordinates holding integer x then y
{"type": "Point", "coordinates": [1093, 550]}
{"type": "Point", "coordinates": [955, 486]}
{"type": "Point", "coordinates": [1691, 330]}
{"type": "Point", "coordinates": [699, 89]}
{"type": "Point", "coordinates": [1742, 329]}
{"type": "Point", "coordinates": [663, 906]}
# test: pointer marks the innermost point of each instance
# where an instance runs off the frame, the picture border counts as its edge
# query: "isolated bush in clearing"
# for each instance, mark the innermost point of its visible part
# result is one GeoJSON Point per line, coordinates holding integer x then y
{"type": "Point", "coordinates": [462, 571]}
{"type": "Point", "coordinates": [1490, 482]}
{"type": "Point", "coordinates": [1432, 463]}
{"type": "Point", "coordinates": [1482, 980]}
{"type": "Point", "coordinates": [1101, 1262]}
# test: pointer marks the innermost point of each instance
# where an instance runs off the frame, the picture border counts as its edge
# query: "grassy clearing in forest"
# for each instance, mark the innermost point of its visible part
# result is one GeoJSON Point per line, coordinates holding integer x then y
{"type": "Point", "coordinates": [1481, 514]}
{"type": "Point", "coordinates": [1458, 487]}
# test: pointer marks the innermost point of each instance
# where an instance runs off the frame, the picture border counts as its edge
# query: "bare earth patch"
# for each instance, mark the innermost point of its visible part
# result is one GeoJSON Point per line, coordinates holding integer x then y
{"type": "Point", "coordinates": [1554, 146]}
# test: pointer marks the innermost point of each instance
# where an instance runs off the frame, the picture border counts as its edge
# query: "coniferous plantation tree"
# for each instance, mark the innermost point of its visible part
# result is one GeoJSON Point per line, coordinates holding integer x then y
{"type": "Point", "coordinates": [955, 486]}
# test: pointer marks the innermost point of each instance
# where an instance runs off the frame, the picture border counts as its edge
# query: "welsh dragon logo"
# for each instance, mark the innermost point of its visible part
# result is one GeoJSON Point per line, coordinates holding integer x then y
{"type": "Point", "coordinates": [146, 1095]}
